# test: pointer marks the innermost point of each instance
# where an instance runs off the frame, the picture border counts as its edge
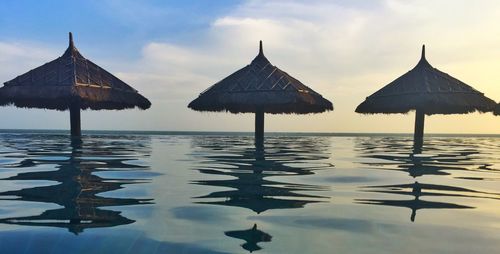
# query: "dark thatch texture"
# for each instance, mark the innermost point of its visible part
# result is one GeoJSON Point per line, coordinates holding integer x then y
{"type": "Point", "coordinates": [261, 86]}
{"type": "Point", "coordinates": [497, 110]}
{"type": "Point", "coordinates": [427, 89]}
{"type": "Point", "coordinates": [70, 80]}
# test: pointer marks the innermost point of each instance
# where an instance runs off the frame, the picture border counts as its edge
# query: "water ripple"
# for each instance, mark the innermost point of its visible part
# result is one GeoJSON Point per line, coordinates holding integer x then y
{"type": "Point", "coordinates": [75, 169]}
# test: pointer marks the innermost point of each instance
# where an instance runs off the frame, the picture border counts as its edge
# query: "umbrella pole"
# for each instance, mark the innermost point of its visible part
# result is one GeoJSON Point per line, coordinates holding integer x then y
{"type": "Point", "coordinates": [74, 117]}
{"type": "Point", "coordinates": [418, 137]}
{"type": "Point", "coordinates": [259, 128]}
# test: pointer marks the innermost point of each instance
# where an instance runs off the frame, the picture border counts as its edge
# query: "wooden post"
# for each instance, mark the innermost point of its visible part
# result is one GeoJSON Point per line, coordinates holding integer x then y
{"type": "Point", "coordinates": [74, 116]}
{"type": "Point", "coordinates": [418, 137]}
{"type": "Point", "coordinates": [259, 128]}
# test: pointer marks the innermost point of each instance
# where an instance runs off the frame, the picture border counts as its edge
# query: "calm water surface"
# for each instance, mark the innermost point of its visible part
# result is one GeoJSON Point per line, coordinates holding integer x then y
{"type": "Point", "coordinates": [131, 193]}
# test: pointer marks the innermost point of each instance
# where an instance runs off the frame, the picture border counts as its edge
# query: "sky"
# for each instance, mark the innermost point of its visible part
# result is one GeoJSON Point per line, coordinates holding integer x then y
{"type": "Point", "coordinates": [170, 51]}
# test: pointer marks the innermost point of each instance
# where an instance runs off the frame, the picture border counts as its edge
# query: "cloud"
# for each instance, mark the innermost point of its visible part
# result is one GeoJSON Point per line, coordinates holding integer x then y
{"type": "Point", "coordinates": [15, 56]}
{"type": "Point", "coordinates": [327, 41]}
{"type": "Point", "coordinates": [344, 50]}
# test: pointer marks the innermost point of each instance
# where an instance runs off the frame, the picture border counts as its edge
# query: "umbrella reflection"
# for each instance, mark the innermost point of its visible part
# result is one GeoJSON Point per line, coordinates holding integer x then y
{"type": "Point", "coordinates": [385, 153]}
{"type": "Point", "coordinates": [251, 237]}
{"type": "Point", "coordinates": [417, 190]}
{"type": "Point", "coordinates": [440, 159]}
{"type": "Point", "coordinates": [78, 187]}
{"type": "Point", "coordinates": [248, 169]}
{"type": "Point", "coordinates": [245, 171]}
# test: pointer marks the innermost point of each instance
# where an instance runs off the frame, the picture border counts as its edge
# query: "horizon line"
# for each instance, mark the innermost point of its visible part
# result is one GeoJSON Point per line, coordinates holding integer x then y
{"type": "Point", "coordinates": [272, 133]}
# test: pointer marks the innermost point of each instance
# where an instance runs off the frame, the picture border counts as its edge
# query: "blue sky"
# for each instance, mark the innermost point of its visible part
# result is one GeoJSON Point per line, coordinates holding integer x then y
{"type": "Point", "coordinates": [117, 26]}
{"type": "Point", "coordinates": [172, 50]}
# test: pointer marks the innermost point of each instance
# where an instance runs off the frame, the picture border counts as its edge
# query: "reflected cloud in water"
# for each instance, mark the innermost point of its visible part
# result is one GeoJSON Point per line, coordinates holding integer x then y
{"type": "Point", "coordinates": [248, 170]}
{"type": "Point", "coordinates": [74, 166]}
{"type": "Point", "coordinates": [441, 158]}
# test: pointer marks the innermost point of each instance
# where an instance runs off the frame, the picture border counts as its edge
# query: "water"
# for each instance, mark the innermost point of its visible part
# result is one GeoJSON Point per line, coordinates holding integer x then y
{"type": "Point", "coordinates": [206, 193]}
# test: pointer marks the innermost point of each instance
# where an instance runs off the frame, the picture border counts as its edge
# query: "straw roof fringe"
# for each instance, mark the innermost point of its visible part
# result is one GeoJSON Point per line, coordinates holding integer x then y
{"type": "Point", "coordinates": [429, 103]}
{"type": "Point", "coordinates": [428, 89]}
{"type": "Point", "coordinates": [261, 86]}
{"type": "Point", "coordinates": [68, 80]}
{"type": "Point", "coordinates": [497, 110]}
{"type": "Point", "coordinates": [60, 97]}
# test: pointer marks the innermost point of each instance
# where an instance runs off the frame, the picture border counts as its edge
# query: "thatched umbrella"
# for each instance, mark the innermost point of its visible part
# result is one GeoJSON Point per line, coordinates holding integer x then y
{"type": "Point", "coordinates": [71, 82]}
{"type": "Point", "coordinates": [259, 88]}
{"type": "Point", "coordinates": [428, 91]}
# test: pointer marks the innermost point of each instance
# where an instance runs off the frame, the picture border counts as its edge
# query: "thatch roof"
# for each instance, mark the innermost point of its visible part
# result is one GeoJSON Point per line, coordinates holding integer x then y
{"type": "Point", "coordinates": [68, 80]}
{"type": "Point", "coordinates": [497, 110]}
{"type": "Point", "coordinates": [261, 86]}
{"type": "Point", "coordinates": [428, 89]}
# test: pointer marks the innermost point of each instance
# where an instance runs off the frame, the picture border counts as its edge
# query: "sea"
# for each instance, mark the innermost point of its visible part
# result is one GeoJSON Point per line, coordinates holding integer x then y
{"type": "Point", "coordinates": [214, 192]}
